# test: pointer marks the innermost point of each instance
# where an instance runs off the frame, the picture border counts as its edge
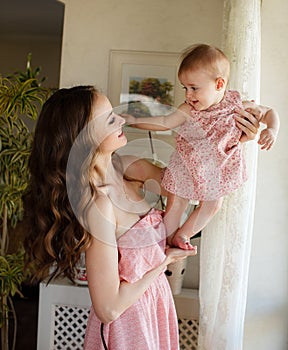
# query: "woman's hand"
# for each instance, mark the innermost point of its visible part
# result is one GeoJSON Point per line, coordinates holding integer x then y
{"type": "Point", "coordinates": [176, 254]}
{"type": "Point", "coordinates": [248, 124]}
{"type": "Point", "coordinates": [257, 110]}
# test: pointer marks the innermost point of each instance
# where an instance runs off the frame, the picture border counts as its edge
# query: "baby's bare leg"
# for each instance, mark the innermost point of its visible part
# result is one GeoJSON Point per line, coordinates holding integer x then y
{"type": "Point", "coordinates": [198, 219]}
{"type": "Point", "coordinates": [174, 210]}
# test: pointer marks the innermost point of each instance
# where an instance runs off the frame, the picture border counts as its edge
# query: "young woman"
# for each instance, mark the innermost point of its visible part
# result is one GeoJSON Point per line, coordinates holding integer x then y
{"type": "Point", "coordinates": [79, 200]}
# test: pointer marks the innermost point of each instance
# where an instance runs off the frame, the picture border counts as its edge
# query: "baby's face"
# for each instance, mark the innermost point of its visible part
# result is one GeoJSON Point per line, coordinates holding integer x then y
{"type": "Point", "coordinates": [201, 89]}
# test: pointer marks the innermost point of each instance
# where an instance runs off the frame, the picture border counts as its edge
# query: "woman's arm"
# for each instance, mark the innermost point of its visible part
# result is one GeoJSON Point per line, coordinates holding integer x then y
{"type": "Point", "coordinates": [110, 296]}
{"type": "Point", "coordinates": [144, 171]}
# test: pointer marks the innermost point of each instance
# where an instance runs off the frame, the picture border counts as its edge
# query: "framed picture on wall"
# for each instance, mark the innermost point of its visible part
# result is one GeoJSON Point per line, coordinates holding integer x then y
{"type": "Point", "coordinates": [146, 78]}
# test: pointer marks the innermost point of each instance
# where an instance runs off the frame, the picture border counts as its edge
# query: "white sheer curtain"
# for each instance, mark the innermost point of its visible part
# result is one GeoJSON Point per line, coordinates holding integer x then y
{"type": "Point", "coordinates": [226, 241]}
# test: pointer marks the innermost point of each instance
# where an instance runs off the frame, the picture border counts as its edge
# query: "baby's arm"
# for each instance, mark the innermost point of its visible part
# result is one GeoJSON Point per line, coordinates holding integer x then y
{"type": "Point", "coordinates": [270, 118]}
{"type": "Point", "coordinates": [268, 136]}
{"type": "Point", "coordinates": [159, 123]}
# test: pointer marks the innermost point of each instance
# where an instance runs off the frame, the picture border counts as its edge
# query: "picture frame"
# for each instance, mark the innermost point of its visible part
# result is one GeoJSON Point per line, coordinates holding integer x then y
{"type": "Point", "coordinates": [128, 66]}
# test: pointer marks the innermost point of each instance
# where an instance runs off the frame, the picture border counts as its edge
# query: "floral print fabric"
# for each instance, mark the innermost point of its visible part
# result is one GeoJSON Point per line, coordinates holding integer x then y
{"type": "Point", "coordinates": [208, 161]}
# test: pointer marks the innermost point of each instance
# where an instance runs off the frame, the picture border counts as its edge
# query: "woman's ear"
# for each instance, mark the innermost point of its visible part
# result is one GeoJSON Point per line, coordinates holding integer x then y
{"type": "Point", "coordinates": [220, 83]}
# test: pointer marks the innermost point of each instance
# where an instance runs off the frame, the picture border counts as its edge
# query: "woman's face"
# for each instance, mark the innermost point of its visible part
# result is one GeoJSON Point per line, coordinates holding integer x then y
{"type": "Point", "coordinates": [108, 125]}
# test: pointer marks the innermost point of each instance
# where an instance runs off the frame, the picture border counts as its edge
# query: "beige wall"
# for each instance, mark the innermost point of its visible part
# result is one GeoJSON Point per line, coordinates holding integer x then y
{"type": "Point", "coordinates": [46, 53]}
{"type": "Point", "coordinates": [163, 25]}
{"type": "Point", "coordinates": [90, 31]}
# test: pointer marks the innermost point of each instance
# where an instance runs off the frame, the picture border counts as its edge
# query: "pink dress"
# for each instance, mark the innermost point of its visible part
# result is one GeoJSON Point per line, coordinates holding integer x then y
{"type": "Point", "coordinates": [208, 161]}
{"type": "Point", "coordinates": [151, 322]}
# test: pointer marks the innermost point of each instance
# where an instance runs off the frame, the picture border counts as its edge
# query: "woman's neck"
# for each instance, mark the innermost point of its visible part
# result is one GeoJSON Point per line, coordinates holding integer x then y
{"type": "Point", "coordinates": [106, 173]}
{"type": "Point", "coordinates": [124, 193]}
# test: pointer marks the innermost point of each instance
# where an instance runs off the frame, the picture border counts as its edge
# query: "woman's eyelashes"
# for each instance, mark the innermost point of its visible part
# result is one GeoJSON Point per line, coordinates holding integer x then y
{"type": "Point", "coordinates": [112, 119]}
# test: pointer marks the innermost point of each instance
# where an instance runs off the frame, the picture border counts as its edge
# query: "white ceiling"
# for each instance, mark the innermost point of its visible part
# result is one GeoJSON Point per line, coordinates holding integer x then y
{"type": "Point", "coordinates": [31, 17]}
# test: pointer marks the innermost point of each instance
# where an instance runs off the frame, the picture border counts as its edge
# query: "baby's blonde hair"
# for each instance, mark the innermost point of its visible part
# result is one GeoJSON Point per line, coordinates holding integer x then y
{"type": "Point", "coordinates": [207, 57]}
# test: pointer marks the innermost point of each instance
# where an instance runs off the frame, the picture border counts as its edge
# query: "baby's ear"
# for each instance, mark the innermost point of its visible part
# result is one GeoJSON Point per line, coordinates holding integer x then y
{"type": "Point", "coordinates": [220, 83]}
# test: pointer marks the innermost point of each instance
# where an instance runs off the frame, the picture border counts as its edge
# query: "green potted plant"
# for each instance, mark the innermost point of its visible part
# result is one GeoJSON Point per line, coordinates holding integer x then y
{"type": "Point", "coordinates": [21, 96]}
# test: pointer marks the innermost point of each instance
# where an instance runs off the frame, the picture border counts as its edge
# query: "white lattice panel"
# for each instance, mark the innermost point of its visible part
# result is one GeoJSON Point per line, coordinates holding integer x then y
{"type": "Point", "coordinates": [63, 314]}
{"type": "Point", "coordinates": [188, 334]}
{"type": "Point", "coordinates": [69, 327]}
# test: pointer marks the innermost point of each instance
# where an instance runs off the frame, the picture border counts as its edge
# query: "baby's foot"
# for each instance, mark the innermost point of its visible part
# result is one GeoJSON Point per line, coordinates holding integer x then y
{"type": "Point", "coordinates": [181, 241]}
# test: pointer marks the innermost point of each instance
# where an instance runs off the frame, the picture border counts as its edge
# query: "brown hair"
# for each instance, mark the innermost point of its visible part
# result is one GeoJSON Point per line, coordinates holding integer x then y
{"type": "Point", "coordinates": [202, 56]}
{"type": "Point", "coordinates": [54, 234]}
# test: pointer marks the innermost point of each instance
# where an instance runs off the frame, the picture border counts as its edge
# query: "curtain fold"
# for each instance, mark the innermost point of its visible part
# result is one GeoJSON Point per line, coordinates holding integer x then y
{"type": "Point", "coordinates": [226, 241]}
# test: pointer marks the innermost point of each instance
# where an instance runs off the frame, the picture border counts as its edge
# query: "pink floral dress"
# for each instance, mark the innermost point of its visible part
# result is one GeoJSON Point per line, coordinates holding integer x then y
{"type": "Point", "coordinates": [208, 161]}
{"type": "Point", "coordinates": [151, 322]}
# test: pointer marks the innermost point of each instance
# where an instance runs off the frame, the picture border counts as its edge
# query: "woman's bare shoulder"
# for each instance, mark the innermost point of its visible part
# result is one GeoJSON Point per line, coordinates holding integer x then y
{"type": "Point", "coordinates": [101, 207]}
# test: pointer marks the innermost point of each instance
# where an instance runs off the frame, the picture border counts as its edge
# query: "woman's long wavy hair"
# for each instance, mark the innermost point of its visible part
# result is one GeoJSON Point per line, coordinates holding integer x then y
{"type": "Point", "coordinates": [55, 236]}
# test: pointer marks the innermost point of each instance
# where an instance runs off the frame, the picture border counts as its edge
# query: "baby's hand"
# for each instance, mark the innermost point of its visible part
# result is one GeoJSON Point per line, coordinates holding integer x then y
{"type": "Point", "coordinates": [267, 138]}
{"type": "Point", "coordinates": [129, 118]}
{"type": "Point", "coordinates": [176, 254]}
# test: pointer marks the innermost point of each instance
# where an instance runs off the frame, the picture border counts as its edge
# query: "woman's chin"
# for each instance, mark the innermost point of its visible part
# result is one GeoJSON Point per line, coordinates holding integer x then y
{"type": "Point", "coordinates": [122, 137]}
